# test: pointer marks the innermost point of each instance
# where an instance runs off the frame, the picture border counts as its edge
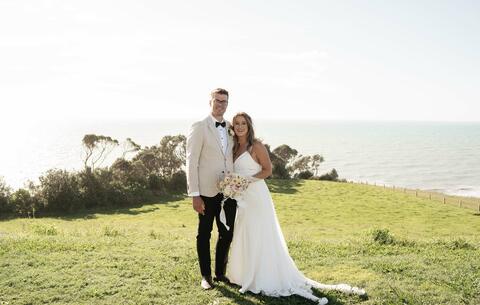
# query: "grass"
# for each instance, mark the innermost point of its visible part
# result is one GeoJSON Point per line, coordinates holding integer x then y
{"type": "Point", "coordinates": [402, 249]}
{"type": "Point", "coordinates": [460, 201]}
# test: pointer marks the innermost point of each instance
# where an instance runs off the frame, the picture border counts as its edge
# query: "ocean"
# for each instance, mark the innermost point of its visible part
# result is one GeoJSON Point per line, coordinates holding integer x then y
{"type": "Point", "coordinates": [437, 156]}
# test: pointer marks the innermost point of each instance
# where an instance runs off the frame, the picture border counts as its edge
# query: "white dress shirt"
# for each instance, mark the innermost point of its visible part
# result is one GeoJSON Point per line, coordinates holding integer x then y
{"type": "Point", "coordinates": [222, 132]}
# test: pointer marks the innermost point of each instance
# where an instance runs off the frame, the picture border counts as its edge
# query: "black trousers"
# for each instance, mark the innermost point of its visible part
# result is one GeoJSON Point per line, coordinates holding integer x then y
{"type": "Point", "coordinates": [205, 225]}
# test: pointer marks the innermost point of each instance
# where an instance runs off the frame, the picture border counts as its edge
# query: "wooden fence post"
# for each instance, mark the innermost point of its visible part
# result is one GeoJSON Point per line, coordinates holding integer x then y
{"type": "Point", "coordinates": [444, 201]}
{"type": "Point", "coordinates": [416, 193]}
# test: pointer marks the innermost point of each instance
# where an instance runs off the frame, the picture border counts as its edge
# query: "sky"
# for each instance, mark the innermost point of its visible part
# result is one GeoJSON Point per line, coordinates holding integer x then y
{"type": "Point", "coordinates": [318, 60]}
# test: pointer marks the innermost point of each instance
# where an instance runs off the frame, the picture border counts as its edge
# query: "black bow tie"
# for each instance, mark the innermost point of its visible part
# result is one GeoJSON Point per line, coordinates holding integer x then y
{"type": "Point", "coordinates": [220, 124]}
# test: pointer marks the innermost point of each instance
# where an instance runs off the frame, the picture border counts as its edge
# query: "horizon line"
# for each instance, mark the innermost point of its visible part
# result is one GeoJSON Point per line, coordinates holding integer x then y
{"type": "Point", "coordinates": [263, 118]}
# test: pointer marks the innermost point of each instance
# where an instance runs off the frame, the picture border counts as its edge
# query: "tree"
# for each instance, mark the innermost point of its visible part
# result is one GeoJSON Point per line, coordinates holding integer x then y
{"type": "Point", "coordinates": [131, 174]}
{"type": "Point", "coordinates": [304, 167]}
{"type": "Point", "coordinates": [301, 164]}
{"type": "Point", "coordinates": [5, 193]}
{"type": "Point", "coordinates": [165, 159]}
{"type": "Point", "coordinates": [59, 190]}
{"type": "Point", "coordinates": [24, 203]}
{"type": "Point", "coordinates": [285, 152]}
{"type": "Point", "coordinates": [331, 176]}
{"type": "Point", "coordinates": [129, 147]}
{"type": "Point", "coordinates": [174, 154]}
{"type": "Point", "coordinates": [279, 166]}
{"type": "Point", "coordinates": [97, 148]}
{"type": "Point", "coordinates": [315, 163]}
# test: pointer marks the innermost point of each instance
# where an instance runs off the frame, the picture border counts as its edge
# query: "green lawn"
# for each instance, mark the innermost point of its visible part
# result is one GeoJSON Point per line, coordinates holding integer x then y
{"type": "Point", "coordinates": [147, 255]}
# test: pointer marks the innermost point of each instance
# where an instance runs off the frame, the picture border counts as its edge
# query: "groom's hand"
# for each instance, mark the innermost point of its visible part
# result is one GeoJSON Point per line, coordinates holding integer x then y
{"type": "Point", "coordinates": [198, 205]}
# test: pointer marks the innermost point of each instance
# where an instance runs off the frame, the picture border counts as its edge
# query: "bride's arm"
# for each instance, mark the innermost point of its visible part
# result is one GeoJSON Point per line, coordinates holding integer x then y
{"type": "Point", "coordinates": [261, 155]}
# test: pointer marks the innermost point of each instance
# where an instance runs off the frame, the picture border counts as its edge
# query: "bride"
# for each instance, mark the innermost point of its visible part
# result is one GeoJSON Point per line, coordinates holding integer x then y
{"type": "Point", "coordinates": [259, 258]}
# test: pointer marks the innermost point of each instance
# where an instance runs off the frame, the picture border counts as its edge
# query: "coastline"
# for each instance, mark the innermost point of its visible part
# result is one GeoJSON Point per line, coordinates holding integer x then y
{"type": "Point", "coordinates": [432, 156]}
{"type": "Point", "coordinates": [468, 202]}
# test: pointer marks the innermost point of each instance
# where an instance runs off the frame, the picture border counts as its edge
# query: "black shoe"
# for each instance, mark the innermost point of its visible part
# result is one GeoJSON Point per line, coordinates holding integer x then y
{"type": "Point", "coordinates": [207, 283]}
{"type": "Point", "coordinates": [222, 278]}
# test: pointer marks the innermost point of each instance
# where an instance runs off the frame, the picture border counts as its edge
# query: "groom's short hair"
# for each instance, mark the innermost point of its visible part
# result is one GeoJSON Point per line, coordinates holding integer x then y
{"type": "Point", "coordinates": [219, 91]}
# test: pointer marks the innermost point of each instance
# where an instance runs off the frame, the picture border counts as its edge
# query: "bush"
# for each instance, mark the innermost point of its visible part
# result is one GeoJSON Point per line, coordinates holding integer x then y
{"type": "Point", "coordinates": [96, 188]}
{"type": "Point", "coordinates": [24, 203]}
{"type": "Point", "coordinates": [178, 183]}
{"type": "Point", "coordinates": [279, 170]}
{"type": "Point", "coordinates": [115, 186]}
{"type": "Point", "coordinates": [59, 190]}
{"type": "Point", "coordinates": [165, 159]}
{"type": "Point", "coordinates": [130, 174]}
{"type": "Point", "coordinates": [331, 176]}
{"type": "Point", "coordinates": [304, 175]}
{"type": "Point", "coordinates": [5, 193]}
{"type": "Point", "coordinates": [155, 182]}
{"type": "Point", "coordinates": [382, 237]}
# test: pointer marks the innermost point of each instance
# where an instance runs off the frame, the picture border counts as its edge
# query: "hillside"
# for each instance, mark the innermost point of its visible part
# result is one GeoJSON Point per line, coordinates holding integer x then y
{"type": "Point", "coordinates": [336, 232]}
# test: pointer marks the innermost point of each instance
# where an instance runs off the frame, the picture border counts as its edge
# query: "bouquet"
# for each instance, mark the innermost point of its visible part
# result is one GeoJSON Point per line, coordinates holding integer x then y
{"type": "Point", "coordinates": [231, 186]}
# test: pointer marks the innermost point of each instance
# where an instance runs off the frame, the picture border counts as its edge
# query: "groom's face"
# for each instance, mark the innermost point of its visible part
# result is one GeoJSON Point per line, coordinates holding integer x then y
{"type": "Point", "coordinates": [218, 104]}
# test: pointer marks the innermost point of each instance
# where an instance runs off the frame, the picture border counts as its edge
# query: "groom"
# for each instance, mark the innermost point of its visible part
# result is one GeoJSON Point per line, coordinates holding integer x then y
{"type": "Point", "coordinates": [209, 156]}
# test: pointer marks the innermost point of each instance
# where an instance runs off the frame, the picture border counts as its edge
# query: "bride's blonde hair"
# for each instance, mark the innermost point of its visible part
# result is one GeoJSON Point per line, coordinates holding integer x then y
{"type": "Point", "coordinates": [250, 135]}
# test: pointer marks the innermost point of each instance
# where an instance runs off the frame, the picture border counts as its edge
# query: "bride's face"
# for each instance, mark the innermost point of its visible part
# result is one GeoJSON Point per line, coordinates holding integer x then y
{"type": "Point", "coordinates": [240, 126]}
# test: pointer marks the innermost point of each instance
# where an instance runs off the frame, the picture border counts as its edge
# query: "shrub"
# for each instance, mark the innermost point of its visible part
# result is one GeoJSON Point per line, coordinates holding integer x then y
{"type": "Point", "coordinates": [5, 193]}
{"type": "Point", "coordinates": [24, 203]}
{"type": "Point", "coordinates": [382, 236]}
{"type": "Point", "coordinates": [279, 170]}
{"type": "Point", "coordinates": [304, 175]}
{"type": "Point", "coordinates": [331, 176]}
{"type": "Point", "coordinates": [178, 183]}
{"type": "Point", "coordinates": [130, 173]}
{"type": "Point", "coordinates": [59, 190]}
{"type": "Point", "coordinates": [155, 182]}
{"type": "Point", "coordinates": [123, 184]}
{"type": "Point", "coordinates": [95, 188]}
{"type": "Point", "coordinates": [279, 165]}
{"type": "Point", "coordinates": [165, 159]}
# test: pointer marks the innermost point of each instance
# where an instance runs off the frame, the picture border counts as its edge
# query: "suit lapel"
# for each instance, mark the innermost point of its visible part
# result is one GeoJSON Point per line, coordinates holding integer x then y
{"type": "Point", "coordinates": [229, 138]}
{"type": "Point", "coordinates": [214, 131]}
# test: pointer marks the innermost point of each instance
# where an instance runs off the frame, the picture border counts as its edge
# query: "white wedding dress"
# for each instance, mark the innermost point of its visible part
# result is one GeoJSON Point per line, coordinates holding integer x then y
{"type": "Point", "coordinates": [259, 259]}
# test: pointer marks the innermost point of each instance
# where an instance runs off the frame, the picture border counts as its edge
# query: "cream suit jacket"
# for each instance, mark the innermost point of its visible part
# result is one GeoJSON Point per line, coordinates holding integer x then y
{"type": "Point", "coordinates": [205, 158]}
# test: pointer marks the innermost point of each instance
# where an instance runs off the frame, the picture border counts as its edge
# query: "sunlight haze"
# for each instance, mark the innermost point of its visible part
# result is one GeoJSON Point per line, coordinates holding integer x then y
{"type": "Point", "coordinates": [320, 60]}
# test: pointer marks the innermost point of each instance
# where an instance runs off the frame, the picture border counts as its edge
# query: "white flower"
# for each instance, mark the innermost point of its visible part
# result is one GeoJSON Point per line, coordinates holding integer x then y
{"type": "Point", "coordinates": [233, 185]}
